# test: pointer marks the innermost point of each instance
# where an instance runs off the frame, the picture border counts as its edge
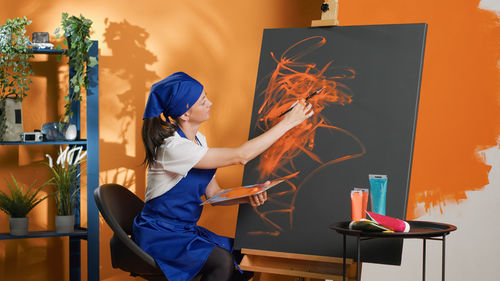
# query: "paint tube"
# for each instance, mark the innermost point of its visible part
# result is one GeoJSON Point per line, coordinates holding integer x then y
{"type": "Point", "coordinates": [356, 205]}
{"type": "Point", "coordinates": [378, 192]}
{"type": "Point", "coordinates": [393, 224]}
{"type": "Point", "coordinates": [364, 208]}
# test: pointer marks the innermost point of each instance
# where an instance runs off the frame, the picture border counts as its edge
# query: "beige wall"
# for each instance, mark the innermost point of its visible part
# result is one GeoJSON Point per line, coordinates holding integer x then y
{"type": "Point", "coordinates": [218, 42]}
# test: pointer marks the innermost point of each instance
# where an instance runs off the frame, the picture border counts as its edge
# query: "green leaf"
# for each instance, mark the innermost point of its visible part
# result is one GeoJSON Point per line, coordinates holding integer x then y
{"type": "Point", "coordinates": [92, 61]}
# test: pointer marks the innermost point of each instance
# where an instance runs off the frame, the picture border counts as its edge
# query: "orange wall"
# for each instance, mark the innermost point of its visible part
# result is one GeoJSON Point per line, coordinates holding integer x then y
{"type": "Point", "coordinates": [459, 102]}
{"type": "Point", "coordinates": [140, 42]}
{"type": "Point", "coordinates": [219, 43]}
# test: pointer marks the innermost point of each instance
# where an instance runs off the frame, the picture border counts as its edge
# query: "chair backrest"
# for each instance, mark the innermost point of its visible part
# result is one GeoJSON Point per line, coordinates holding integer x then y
{"type": "Point", "coordinates": [118, 207]}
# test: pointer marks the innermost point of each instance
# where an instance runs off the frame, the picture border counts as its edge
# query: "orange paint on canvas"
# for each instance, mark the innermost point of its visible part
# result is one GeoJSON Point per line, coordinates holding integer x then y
{"type": "Point", "coordinates": [295, 79]}
{"type": "Point", "coordinates": [459, 100]}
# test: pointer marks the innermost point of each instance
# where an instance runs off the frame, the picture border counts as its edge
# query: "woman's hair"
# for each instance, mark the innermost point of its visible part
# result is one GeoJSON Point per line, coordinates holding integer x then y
{"type": "Point", "coordinates": [154, 130]}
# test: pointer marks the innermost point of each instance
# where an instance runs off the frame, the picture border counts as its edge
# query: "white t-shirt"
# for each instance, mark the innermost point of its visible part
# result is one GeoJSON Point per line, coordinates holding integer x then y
{"type": "Point", "coordinates": [174, 158]}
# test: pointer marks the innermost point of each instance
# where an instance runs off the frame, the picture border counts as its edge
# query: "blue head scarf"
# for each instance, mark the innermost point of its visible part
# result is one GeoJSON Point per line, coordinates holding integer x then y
{"type": "Point", "coordinates": [172, 96]}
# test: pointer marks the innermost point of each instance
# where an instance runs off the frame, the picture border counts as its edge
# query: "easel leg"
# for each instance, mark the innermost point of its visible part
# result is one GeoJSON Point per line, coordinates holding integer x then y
{"type": "Point", "coordinates": [359, 258]}
{"type": "Point", "coordinates": [443, 260]}
{"type": "Point", "coordinates": [423, 260]}
{"type": "Point", "coordinates": [344, 260]}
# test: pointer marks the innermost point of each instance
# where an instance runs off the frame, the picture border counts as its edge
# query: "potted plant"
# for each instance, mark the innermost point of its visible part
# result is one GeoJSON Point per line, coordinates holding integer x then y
{"type": "Point", "coordinates": [77, 34]}
{"type": "Point", "coordinates": [19, 204]}
{"type": "Point", "coordinates": [15, 76]}
{"type": "Point", "coordinates": [65, 174]}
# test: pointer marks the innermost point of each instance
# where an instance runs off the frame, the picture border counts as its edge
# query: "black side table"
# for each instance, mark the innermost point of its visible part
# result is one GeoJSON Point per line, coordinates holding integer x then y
{"type": "Point", "coordinates": [418, 229]}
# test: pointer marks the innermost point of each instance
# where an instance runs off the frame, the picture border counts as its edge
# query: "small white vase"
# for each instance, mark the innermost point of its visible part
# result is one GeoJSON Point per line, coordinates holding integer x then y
{"type": "Point", "coordinates": [65, 224]}
{"type": "Point", "coordinates": [18, 226]}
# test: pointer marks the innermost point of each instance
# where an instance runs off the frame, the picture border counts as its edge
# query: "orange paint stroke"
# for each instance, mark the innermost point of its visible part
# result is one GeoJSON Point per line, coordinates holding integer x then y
{"type": "Point", "coordinates": [264, 218]}
{"type": "Point", "coordinates": [277, 202]}
{"type": "Point", "coordinates": [452, 125]}
{"type": "Point", "coordinates": [292, 189]}
{"type": "Point", "coordinates": [331, 162]}
{"type": "Point", "coordinates": [292, 80]}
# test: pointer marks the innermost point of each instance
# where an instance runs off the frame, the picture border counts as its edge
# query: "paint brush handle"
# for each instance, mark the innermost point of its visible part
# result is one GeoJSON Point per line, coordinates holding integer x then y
{"type": "Point", "coordinates": [313, 94]}
{"type": "Point", "coordinates": [308, 97]}
{"type": "Point", "coordinates": [286, 111]}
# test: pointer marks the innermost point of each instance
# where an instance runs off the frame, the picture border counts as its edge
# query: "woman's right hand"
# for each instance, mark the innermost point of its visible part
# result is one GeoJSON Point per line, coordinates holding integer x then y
{"type": "Point", "coordinates": [221, 157]}
{"type": "Point", "coordinates": [300, 112]}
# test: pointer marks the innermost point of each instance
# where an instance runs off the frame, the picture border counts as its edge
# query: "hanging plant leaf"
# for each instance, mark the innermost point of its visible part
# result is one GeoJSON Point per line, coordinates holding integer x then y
{"type": "Point", "coordinates": [77, 33]}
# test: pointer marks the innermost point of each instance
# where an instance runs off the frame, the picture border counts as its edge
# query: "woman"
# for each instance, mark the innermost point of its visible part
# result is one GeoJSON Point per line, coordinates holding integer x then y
{"type": "Point", "coordinates": [181, 169]}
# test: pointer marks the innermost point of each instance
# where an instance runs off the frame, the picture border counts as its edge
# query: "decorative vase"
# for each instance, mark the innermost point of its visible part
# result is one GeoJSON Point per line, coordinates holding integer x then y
{"type": "Point", "coordinates": [11, 121]}
{"type": "Point", "coordinates": [65, 224]}
{"type": "Point", "coordinates": [59, 131]}
{"type": "Point", "coordinates": [18, 226]}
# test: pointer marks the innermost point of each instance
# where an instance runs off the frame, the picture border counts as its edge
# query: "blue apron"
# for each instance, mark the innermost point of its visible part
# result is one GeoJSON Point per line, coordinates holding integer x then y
{"type": "Point", "coordinates": [166, 228]}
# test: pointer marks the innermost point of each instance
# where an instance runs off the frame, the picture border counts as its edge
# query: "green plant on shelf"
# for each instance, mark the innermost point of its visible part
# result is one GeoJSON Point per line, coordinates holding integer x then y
{"type": "Point", "coordinates": [19, 203]}
{"type": "Point", "coordinates": [77, 33]}
{"type": "Point", "coordinates": [65, 174]}
{"type": "Point", "coordinates": [15, 67]}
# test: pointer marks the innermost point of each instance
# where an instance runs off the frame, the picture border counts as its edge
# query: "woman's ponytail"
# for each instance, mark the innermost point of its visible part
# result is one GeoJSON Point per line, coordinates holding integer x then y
{"type": "Point", "coordinates": [154, 130]}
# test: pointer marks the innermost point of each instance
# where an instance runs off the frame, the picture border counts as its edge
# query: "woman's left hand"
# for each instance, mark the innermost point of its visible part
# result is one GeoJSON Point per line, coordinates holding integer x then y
{"type": "Point", "coordinates": [259, 199]}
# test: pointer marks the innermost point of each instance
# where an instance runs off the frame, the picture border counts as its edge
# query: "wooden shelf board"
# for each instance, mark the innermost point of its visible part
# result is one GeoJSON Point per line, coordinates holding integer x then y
{"type": "Point", "coordinates": [82, 233]}
{"type": "Point", "coordinates": [75, 142]}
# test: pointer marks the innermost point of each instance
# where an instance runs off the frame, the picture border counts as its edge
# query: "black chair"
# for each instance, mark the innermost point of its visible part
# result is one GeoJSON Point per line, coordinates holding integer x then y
{"type": "Point", "coordinates": [119, 207]}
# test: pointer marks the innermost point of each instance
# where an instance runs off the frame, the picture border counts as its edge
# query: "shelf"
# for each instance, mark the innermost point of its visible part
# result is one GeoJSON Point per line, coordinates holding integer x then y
{"type": "Point", "coordinates": [48, 51]}
{"type": "Point", "coordinates": [75, 142]}
{"type": "Point", "coordinates": [80, 233]}
{"type": "Point", "coordinates": [91, 144]}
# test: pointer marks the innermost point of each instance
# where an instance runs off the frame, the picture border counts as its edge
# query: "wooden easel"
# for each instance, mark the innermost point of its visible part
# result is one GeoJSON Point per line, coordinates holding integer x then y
{"type": "Point", "coordinates": [303, 267]}
{"type": "Point", "coordinates": [329, 16]}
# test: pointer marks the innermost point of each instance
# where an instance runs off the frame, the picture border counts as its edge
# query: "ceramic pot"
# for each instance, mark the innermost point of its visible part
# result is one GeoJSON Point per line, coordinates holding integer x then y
{"type": "Point", "coordinates": [18, 226]}
{"type": "Point", "coordinates": [65, 224]}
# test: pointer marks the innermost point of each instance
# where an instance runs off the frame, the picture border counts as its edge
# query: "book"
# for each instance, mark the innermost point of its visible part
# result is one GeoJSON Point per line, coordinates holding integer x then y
{"type": "Point", "coordinates": [245, 191]}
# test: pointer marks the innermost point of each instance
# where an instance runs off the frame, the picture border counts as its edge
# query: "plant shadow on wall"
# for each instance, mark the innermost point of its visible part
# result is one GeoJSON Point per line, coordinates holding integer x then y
{"type": "Point", "coordinates": [127, 67]}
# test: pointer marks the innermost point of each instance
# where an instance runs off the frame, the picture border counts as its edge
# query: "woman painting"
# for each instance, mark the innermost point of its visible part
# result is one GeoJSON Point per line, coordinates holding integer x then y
{"type": "Point", "coordinates": [181, 170]}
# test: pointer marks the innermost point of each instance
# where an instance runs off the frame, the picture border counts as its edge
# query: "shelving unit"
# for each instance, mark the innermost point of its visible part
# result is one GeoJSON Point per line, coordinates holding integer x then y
{"type": "Point", "coordinates": [91, 144]}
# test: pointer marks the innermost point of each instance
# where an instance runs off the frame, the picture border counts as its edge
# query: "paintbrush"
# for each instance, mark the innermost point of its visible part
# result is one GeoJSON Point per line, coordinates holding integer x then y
{"type": "Point", "coordinates": [307, 98]}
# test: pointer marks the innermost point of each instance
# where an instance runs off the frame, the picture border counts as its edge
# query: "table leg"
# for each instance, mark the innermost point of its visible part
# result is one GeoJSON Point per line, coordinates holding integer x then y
{"type": "Point", "coordinates": [443, 259]}
{"type": "Point", "coordinates": [358, 243]}
{"type": "Point", "coordinates": [423, 260]}
{"type": "Point", "coordinates": [343, 260]}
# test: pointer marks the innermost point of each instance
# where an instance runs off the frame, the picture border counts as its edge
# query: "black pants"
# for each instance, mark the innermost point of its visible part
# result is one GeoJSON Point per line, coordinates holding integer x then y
{"type": "Point", "coordinates": [220, 266]}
